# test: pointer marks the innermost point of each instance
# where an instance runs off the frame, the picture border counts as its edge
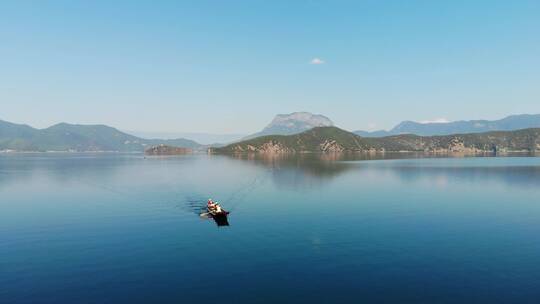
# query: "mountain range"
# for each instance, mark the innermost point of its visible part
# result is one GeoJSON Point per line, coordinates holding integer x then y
{"type": "Point", "coordinates": [71, 137]}
{"type": "Point", "coordinates": [513, 122]}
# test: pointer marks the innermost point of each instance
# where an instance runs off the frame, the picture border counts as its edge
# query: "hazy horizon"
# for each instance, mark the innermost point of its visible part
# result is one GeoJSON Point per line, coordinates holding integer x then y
{"type": "Point", "coordinates": [215, 137]}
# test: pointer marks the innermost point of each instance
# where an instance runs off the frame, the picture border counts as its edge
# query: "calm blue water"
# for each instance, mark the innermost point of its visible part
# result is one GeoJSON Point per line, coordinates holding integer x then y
{"type": "Point", "coordinates": [120, 228]}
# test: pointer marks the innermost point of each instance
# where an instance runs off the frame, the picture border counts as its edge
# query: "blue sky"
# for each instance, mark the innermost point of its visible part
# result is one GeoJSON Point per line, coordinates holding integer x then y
{"type": "Point", "coordinates": [230, 66]}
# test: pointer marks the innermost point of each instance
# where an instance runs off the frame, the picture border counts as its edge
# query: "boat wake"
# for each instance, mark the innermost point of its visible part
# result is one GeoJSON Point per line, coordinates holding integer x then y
{"type": "Point", "coordinates": [195, 204]}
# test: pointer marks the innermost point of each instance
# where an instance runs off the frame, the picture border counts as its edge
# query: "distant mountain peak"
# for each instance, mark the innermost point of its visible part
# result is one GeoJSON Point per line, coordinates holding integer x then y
{"type": "Point", "coordinates": [509, 123]}
{"type": "Point", "coordinates": [306, 118]}
{"type": "Point", "coordinates": [293, 123]}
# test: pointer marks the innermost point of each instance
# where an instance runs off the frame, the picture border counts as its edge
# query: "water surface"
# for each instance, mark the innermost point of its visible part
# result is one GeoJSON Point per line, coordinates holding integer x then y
{"type": "Point", "coordinates": [106, 228]}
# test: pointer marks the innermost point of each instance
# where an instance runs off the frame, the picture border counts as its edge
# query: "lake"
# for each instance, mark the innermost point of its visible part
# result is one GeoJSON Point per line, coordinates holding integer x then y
{"type": "Point", "coordinates": [109, 228]}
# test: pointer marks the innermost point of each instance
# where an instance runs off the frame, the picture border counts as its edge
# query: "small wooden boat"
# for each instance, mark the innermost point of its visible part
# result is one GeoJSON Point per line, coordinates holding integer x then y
{"type": "Point", "coordinates": [220, 217]}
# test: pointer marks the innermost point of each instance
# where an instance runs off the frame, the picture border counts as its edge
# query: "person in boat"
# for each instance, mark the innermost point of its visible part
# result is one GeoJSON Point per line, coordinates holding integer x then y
{"type": "Point", "coordinates": [218, 208]}
{"type": "Point", "coordinates": [213, 206]}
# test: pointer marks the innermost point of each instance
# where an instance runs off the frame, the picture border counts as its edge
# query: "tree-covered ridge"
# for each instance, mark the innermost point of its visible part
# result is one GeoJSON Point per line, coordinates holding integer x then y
{"type": "Point", "coordinates": [72, 137]}
{"type": "Point", "coordinates": [333, 139]}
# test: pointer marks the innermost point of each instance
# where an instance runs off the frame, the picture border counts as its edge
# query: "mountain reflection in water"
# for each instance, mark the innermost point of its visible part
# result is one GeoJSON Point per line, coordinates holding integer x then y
{"type": "Point", "coordinates": [312, 170]}
{"type": "Point", "coordinates": [332, 228]}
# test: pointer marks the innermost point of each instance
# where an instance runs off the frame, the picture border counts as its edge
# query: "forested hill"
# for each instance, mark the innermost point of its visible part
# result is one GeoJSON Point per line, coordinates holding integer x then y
{"type": "Point", "coordinates": [83, 138]}
{"type": "Point", "coordinates": [333, 139]}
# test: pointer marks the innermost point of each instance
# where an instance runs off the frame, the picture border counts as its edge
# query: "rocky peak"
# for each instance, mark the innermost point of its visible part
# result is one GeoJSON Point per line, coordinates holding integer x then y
{"type": "Point", "coordinates": [296, 119]}
{"type": "Point", "coordinates": [293, 123]}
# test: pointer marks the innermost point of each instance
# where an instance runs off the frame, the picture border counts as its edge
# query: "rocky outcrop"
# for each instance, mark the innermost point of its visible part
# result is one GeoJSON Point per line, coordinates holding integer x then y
{"type": "Point", "coordinates": [166, 150]}
{"type": "Point", "coordinates": [331, 145]}
{"type": "Point", "coordinates": [455, 146]}
{"type": "Point", "coordinates": [271, 146]}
